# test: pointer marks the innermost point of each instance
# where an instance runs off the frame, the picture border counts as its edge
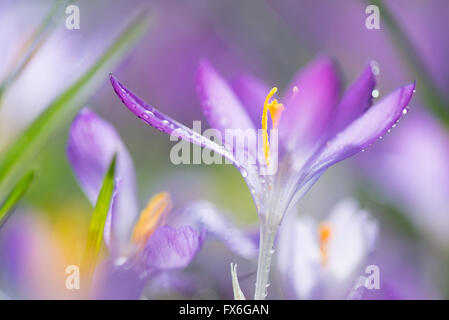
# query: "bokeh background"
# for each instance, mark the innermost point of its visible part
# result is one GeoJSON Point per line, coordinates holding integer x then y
{"type": "Point", "coordinates": [403, 180]}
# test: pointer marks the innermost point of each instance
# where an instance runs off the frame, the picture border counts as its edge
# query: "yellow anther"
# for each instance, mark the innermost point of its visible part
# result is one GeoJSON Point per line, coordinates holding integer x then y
{"type": "Point", "coordinates": [151, 218]}
{"type": "Point", "coordinates": [275, 110]}
{"type": "Point", "coordinates": [324, 231]}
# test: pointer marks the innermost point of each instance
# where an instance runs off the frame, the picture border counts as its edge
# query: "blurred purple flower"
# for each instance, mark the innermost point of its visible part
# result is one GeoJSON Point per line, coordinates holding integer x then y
{"type": "Point", "coordinates": [399, 280]}
{"type": "Point", "coordinates": [323, 260]}
{"type": "Point", "coordinates": [141, 246]}
{"type": "Point", "coordinates": [414, 173]}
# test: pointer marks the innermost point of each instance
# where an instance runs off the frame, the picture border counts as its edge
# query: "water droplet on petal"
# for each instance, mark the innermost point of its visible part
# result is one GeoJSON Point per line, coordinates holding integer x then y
{"type": "Point", "coordinates": [375, 93]}
{"type": "Point", "coordinates": [375, 68]}
{"type": "Point", "coordinates": [405, 111]}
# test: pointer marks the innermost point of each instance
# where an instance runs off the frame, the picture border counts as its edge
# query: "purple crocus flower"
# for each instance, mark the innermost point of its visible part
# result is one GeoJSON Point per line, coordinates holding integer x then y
{"type": "Point", "coordinates": [415, 173]}
{"type": "Point", "coordinates": [316, 129]}
{"type": "Point", "coordinates": [142, 245]}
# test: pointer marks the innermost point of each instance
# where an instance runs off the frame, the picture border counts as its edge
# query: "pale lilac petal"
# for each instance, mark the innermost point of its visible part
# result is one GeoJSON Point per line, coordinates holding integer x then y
{"type": "Point", "coordinates": [356, 100]}
{"type": "Point", "coordinates": [366, 129]}
{"type": "Point", "coordinates": [308, 111]}
{"type": "Point", "coordinates": [166, 283]}
{"type": "Point", "coordinates": [164, 123]}
{"type": "Point", "coordinates": [252, 93]}
{"type": "Point", "coordinates": [107, 231]}
{"type": "Point", "coordinates": [92, 144]}
{"type": "Point", "coordinates": [354, 233]}
{"type": "Point", "coordinates": [221, 107]}
{"type": "Point", "coordinates": [117, 282]}
{"type": "Point", "coordinates": [204, 215]}
{"type": "Point", "coordinates": [18, 239]}
{"type": "Point", "coordinates": [298, 257]}
{"type": "Point", "coordinates": [172, 248]}
{"type": "Point", "coordinates": [416, 143]}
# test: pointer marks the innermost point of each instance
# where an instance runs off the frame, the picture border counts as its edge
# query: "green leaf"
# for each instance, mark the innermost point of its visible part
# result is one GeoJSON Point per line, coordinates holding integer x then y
{"type": "Point", "coordinates": [14, 196]}
{"type": "Point", "coordinates": [57, 115]}
{"type": "Point", "coordinates": [238, 293]}
{"type": "Point", "coordinates": [95, 235]}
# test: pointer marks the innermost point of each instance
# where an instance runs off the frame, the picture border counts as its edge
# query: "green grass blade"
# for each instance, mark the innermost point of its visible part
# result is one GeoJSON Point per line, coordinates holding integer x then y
{"type": "Point", "coordinates": [14, 196]}
{"type": "Point", "coordinates": [57, 115]}
{"type": "Point", "coordinates": [95, 235]}
{"type": "Point", "coordinates": [32, 45]}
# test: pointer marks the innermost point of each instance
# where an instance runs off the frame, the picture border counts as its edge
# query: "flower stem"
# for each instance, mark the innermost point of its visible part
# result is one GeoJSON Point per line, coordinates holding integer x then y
{"type": "Point", "coordinates": [266, 242]}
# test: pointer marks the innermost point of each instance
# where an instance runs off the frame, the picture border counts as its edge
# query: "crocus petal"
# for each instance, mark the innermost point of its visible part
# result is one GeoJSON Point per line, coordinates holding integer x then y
{"type": "Point", "coordinates": [221, 107]}
{"type": "Point", "coordinates": [91, 146]}
{"type": "Point", "coordinates": [167, 283]}
{"type": "Point", "coordinates": [164, 123]}
{"type": "Point", "coordinates": [204, 215]}
{"type": "Point", "coordinates": [298, 257]}
{"type": "Point", "coordinates": [356, 100]}
{"type": "Point", "coordinates": [107, 231]}
{"type": "Point", "coordinates": [172, 248]}
{"type": "Point", "coordinates": [366, 129]}
{"type": "Point", "coordinates": [252, 93]}
{"type": "Point", "coordinates": [353, 237]}
{"type": "Point", "coordinates": [117, 283]}
{"type": "Point", "coordinates": [309, 106]}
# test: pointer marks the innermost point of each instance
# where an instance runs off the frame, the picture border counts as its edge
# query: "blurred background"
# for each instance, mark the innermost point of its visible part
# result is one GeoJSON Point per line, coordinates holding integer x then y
{"type": "Point", "coordinates": [403, 180]}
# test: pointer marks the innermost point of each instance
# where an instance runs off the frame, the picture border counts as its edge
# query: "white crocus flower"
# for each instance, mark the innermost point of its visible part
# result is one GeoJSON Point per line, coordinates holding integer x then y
{"type": "Point", "coordinates": [324, 259]}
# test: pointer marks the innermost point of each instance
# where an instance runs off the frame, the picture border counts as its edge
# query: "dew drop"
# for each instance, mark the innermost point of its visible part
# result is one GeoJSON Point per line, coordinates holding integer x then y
{"type": "Point", "coordinates": [375, 68]}
{"type": "Point", "coordinates": [375, 93]}
{"type": "Point", "coordinates": [295, 89]}
{"type": "Point", "coordinates": [405, 111]}
{"type": "Point", "coordinates": [120, 261]}
{"type": "Point", "coordinates": [147, 114]}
